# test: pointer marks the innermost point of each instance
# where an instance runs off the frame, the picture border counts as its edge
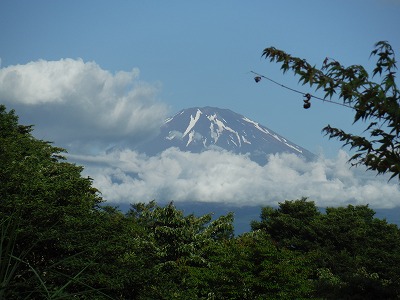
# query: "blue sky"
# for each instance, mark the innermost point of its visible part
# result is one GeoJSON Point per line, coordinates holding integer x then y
{"type": "Point", "coordinates": [153, 58]}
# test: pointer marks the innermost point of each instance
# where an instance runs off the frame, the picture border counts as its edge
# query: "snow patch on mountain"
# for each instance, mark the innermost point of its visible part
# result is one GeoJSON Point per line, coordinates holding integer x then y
{"type": "Point", "coordinates": [245, 140]}
{"type": "Point", "coordinates": [192, 122]}
{"type": "Point", "coordinates": [220, 128]}
{"type": "Point", "coordinates": [256, 125]}
{"type": "Point", "coordinates": [193, 136]}
{"type": "Point", "coordinates": [294, 147]}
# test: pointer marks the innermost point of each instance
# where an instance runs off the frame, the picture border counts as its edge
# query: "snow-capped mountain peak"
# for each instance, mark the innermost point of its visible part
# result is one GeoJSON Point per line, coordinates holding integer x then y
{"type": "Point", "coordinates": [198, 129]}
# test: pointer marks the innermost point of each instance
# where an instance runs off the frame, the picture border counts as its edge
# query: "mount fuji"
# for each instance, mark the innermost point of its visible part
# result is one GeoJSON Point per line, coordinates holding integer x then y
{"type": "Point", "coordinates": [202, 128]}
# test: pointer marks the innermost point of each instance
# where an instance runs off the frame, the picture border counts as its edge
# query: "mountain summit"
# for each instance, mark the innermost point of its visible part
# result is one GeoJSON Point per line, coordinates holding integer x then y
{"type": "Point", "coordinates": [198, 129]}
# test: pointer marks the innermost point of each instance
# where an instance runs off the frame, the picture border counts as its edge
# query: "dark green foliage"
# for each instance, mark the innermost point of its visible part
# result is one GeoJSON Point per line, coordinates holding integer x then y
{"type": "Point", "coordinates": [176, 243]}
{"type": "Point", "coordinates": [45, 208]}
{"type": "Point", "coordinates": [252, 267]}
{"type": "Point", "coordinates": [376, 103]}
{"type": "Point", "coordinates": [58, 242]}
{"type": "Point", "coordinates": [291, 225]}
{"type": "Point", "coordinates": [354, 255]}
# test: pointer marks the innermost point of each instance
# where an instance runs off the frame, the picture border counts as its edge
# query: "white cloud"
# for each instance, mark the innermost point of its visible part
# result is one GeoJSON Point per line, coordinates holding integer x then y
{"type": "Point", "coordinates": [85, 108]}
{"type": "Point", "coordinates": [75, 102]}
{"type": "Point", "coordinates": [220, 176]}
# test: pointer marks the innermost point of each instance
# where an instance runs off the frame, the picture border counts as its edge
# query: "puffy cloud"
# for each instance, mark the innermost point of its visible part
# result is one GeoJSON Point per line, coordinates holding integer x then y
{"type": "Point", "coordinates": [86, 109]}
{"type": "Point", "coordinates": [75, 102]}
{"type": "Point", "coordinates": [220, 176]}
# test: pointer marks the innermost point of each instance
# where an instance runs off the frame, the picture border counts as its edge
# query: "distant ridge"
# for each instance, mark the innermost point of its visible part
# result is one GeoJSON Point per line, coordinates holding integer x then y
{"type": "Point", "coordinates": [201, 128]}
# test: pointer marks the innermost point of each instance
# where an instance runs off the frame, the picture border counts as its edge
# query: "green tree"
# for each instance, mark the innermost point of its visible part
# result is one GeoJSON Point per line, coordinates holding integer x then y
{"type": "Point", "coordinates": [291, 225]}
{"type": "Point", "coordinates": [46, 211]}
{"type": "Point", "coordinates": [362, 251]}
{"type": "Point", "coordinates": [251, 266]}
{"type": "Point", "coordinates": [376, 103]}
{"type": "Point", "coordinates": [176, 244]}
{"type": "Point", "coordinates": [353, 254]}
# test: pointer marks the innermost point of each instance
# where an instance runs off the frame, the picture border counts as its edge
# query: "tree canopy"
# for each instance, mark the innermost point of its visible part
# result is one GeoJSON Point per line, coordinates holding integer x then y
{"type": "Point", "coordinates": [352, 254]}
{"type": "Point", "coordinates": [377, 103]}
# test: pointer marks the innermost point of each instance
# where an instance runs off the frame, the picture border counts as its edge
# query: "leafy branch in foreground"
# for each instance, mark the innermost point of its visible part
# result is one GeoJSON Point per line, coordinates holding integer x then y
{"type": "Point", "coordinates": [375, 103]}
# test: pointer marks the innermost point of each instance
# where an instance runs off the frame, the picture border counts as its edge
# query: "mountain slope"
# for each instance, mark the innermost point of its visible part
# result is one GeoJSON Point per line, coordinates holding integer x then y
{"type": "Point", "coordinates": [198, 129]}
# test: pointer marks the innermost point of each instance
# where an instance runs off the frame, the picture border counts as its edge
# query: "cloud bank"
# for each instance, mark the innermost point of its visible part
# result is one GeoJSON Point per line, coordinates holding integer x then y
{"type": "Point", "coordinates": [75, 102]}
{"type": "Point", "coordinates": [87, 109]}
{"type": "Point", "coordinates": [124, 176]}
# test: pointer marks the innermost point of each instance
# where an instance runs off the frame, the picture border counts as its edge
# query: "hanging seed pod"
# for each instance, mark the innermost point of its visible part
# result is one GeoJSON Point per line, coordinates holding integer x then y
{"type": "Point", "coordinates": [257, 78]}
{"type": "Point", "coordinates": [307, 103]}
